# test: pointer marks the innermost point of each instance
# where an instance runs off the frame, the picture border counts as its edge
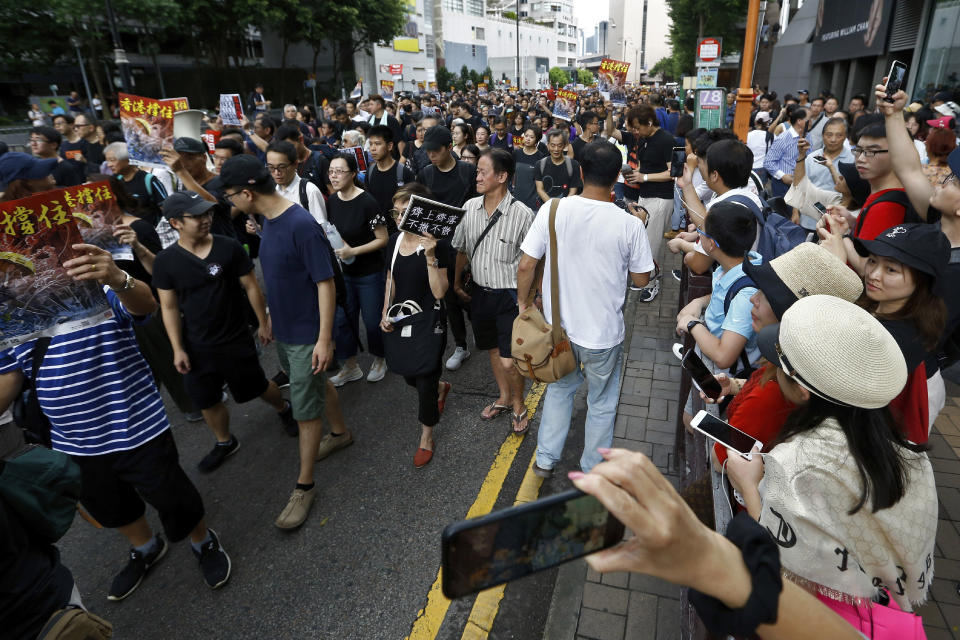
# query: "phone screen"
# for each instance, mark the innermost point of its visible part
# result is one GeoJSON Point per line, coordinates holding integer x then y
{"type": "Point", "coordinates": [726, 434]}
{"type": "Point", "coordinates": [895, 79]}
{"type": "Point", "coordinates": [702, 376]}
{"type": "Point", "coordinates": [517, 541]}
{"type": "Point", "coordinates": [819, 207]}
{"type": "Point", "coordinates": [676, 161]}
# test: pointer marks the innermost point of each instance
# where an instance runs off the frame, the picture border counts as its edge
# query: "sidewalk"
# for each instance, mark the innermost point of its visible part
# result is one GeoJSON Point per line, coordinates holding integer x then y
{"type": "Point", "coordinates": [620, 606]}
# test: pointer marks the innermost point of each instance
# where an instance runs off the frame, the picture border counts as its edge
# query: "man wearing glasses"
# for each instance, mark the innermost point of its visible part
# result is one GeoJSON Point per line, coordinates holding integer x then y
{"type": "Point", "coordinates": [282, 165]}
{"type": "Point", "coordinates": [45, 143]}
{"type": "Point", "coordinates": [86, 128]}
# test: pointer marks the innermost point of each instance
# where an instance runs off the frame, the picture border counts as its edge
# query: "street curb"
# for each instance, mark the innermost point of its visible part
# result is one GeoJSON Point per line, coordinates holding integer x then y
{"type": "Point", "coordinates": [564, 614]}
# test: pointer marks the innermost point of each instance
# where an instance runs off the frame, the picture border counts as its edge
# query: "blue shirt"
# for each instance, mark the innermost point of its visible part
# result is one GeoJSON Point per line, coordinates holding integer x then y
{"type": "Point", "coordinates": [95, 387]}
{"type": "Point", "coordinates": [781, 157]}
{"type": "Point", "coordinates": [295, 256]}
{"type": "Point", "coordinates": [818, 174]}
{"type": "Point", "coordinates": [737, 318]}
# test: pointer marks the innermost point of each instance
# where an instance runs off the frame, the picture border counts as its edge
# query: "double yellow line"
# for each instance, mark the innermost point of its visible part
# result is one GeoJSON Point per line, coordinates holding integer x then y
{"type": "Point", "coordinates": [485, 608]}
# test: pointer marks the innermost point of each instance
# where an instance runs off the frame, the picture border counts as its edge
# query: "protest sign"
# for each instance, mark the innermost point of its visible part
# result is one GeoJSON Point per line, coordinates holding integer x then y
{"type": "Point", "coordinates": [230, 110]}
{"type": "Point", "coordinates": [424, 216]}
{"type": "Point", "coordinates": [37, 296]}
{"type": "Point", "coordinates": [357, 90]}
{"type": "Point", "coordinates": [565, 106]}
{"type": "Point", "coordinates": [482, 89]}
{"type": "Point", "coordinates": [432, 88]}
{"type": "Point", "coordinates": [359, 155]}
{"type": "Point", "coordinates": [97, 213]}
{"type": "Point", "coordinates": [612, 81]}
{"type": "Point", "coordinates": [148, 127]}
{"type": "Point", "coordinates": [421, 86]}
{"type": "Point", "coordinates": [386, 90]}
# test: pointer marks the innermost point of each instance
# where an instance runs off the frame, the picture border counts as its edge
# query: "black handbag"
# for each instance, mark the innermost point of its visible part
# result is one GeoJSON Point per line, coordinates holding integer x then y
{"type": "Point", "coordinates": [27, 413]}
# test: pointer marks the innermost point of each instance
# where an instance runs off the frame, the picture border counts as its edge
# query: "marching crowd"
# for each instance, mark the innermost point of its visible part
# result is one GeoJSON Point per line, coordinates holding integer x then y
{"type": "Point", "coordinates": [829, 239]}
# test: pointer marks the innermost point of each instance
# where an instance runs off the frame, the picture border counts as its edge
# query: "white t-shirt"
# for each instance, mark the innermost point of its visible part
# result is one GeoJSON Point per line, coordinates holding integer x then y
{"type": "Point", "coordinates": [598, 243]}
{"type": "Point", "coordinates": [757, 142]}
{"type": "Point", "coordinates": [317, 208]}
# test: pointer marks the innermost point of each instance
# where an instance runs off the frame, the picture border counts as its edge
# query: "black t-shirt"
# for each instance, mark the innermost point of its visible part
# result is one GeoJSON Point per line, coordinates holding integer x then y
{"type": "Point", "coordinates": [355, 220]}
{"type": "Point", "coordinates": [69, 150]}
{"type": "Point", "coordinates": [382, 185]}
{"type": "Point", "coordinates": [394, 125]}
{"type": "Point", "coordinates": [208, 289]}
{"type": "Point", "coordinates": [147, 236]}
{"type": "Point", "coordinates": [910, 341]}
{"type": "Point", "coordinates": [68, 173]}
{"type": "Point", "coordinates": [149, 200]}
{"type": "Point", "coordinates": [578, 145]}
{"type": "Point", "coordinates": [557, 180]}
{"type": "Point", "coordinates": [222, 223]}
{"type": "Point", "coordinates": [453, 187]}
{"type": "Point", "coordinates": [411, 281]}
{"type": "Point", "coordinates": [94, 156]}
{"type": "Point", "coordinates": [521, 157]}
{"type": "Point", "coordinates": [649, 155]}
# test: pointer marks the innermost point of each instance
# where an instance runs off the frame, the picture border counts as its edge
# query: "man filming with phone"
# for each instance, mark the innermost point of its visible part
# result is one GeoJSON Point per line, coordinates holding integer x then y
{"type": "Point", "coordinates": [834, 151]}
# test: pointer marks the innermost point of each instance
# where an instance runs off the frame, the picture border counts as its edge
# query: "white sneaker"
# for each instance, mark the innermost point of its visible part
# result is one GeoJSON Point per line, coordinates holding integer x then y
{"type": "Point", "coordinates": [456, 358]}
{"type": "Point", "coordinates": [377, 370]}
{"type": "Point", "coordinates": [346, 375]}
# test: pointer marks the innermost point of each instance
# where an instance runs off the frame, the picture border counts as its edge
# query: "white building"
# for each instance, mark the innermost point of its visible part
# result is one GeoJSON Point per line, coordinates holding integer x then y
{"type": "Point", "coordinates": [638, 33]}
{"type": "Point", "coordinates": [414, 50]}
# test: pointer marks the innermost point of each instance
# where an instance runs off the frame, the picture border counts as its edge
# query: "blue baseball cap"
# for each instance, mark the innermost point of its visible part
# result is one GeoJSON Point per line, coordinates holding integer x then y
{"type": "Point", "coordinates": [23, 166]}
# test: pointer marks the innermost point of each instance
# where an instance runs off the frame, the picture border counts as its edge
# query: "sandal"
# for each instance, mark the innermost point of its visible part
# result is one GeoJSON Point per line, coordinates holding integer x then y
{"type": "Point", "coordinates": [442, 399]}
{"type": "Point", "coordinates": [519, 418]}
{"type": "Point", "coordinates": [491, 411]}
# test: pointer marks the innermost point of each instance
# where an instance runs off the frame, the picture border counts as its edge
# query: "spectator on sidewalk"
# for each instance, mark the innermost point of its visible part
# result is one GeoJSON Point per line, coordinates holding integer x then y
{"type": "Point", "coordinates": [598, 247]}
{"type": "Point", "coordinates": [817, 170]}
{"type": "Point", "coordinates": [782, 155]}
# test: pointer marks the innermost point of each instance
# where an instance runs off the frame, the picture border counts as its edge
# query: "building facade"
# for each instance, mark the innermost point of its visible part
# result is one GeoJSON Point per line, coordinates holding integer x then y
{"type": "Point", "coordinates": [638, 33]}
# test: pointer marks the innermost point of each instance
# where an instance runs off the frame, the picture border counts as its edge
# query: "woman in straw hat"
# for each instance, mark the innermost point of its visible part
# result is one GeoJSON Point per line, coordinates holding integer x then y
{"type": "Point", "coordinates": [851, 504]}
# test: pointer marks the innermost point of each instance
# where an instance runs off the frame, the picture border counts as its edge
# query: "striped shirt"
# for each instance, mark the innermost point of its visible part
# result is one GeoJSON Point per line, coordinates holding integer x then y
{"type": "Point", "coordinates": [95, 387]}
{"type": "Point", "coordinates": [495, 263]}
{"type": "Point", "coordinates": [782, 154]}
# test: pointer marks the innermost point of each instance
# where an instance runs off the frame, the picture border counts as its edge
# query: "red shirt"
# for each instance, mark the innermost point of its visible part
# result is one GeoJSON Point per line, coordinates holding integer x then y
{"type": "Point", "coordinates": [758, 410]}
{"type": "Point", "coordinates": [880, 217]}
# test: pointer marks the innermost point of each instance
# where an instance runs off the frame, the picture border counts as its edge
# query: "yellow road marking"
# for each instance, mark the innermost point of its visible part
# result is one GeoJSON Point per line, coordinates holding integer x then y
{"type": "Point", "coordinates": [430, 618]}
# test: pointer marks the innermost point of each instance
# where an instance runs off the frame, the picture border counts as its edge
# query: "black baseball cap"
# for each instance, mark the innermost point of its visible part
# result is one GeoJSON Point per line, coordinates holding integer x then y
{"type": "Point", "coordinates": [920, 245]}
{"type": "Point", "coordinates": [437, 138]}
{"type": "Point", "coordinates": [189, 145]}
{"type": "Point", "coordinates": [243, 171]}
{"type": "Point", "coordinates": [185, 202]}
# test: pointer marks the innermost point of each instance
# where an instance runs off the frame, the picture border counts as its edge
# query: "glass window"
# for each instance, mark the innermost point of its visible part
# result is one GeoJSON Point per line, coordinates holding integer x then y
{"type": "Point", "coordinates": [479, 33]}
{"type": "Point", "coordinates": [453, 5]}
{"type": "Point", "coordinates": [474, 7]}
{"type": "Point", "coordinates": [940, 65]}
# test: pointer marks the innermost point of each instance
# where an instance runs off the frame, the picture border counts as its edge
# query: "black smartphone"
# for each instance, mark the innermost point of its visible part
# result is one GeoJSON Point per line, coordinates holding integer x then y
{"type": "Point", "coordinates": [895, 79]}
{"type": "Point", "coordinates": [726, 434]}
{"type": "Point", "coordinates": [819, 207]}
{"type": "Point", "coordinates": [483, 552]}
{"type": "Point", "coordinates": [819, 159]}
{"type": "Point", "coordinates": [677, 161]}
{"type": "Point", "coordinates": [702, 376]}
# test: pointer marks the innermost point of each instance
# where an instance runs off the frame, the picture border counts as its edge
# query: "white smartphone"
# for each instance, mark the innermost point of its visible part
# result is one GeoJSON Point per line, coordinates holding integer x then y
{"type": "Point", "coordinates": [726, 434]}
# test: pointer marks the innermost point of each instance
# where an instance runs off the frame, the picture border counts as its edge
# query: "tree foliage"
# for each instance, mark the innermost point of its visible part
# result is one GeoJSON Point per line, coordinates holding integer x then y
{"type": "Point", "coordinates": [693, 19]}
{"type": "Point", "coordinates": [447, 79]}
{"type": "Point", "coordinates": [559, 77]}
{"type": "Point", "coordinates": [585, 77]}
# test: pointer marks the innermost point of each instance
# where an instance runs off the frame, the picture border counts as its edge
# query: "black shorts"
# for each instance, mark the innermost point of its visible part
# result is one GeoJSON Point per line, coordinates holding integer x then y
{"type": "Point", "coordinates": [492, 312]}
{"type": "Point", "coordinates": [115, 486]}
{"type": "Point", "coordinates": [236, 364]}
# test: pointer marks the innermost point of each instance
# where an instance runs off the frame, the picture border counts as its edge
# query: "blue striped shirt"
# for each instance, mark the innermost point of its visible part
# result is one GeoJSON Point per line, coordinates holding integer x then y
{"type": "Point", "coordinates": [782, 155]}
{"type": "Point", "coordinates": [95, 387]}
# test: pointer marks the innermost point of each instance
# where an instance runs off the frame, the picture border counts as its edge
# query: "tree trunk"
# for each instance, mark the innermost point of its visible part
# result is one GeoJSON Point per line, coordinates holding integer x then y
{"type": "Point", "coordinates": [283, 71]}
{"type": "Point", "coordinates": [94, 60]}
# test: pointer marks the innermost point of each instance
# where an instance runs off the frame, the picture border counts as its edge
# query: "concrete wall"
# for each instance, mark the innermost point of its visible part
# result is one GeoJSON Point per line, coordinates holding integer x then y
{"type": "Point", "coordinates": [459, 54]}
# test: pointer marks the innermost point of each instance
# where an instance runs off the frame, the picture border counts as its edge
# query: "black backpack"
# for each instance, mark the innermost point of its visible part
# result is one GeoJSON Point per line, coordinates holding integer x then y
{"type": "Point", "coordinates": [741, 283]}
{"type": "Point", "coordinates": [26, 407]}
{"type": "Point", "coordinates": [316, 172]}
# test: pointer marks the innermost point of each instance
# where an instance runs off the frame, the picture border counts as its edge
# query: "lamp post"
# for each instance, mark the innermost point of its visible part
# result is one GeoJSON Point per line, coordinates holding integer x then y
{"type": "Point", "coordinates": [120, 56]}
{"type": "Point", "coordinates": [518, 45]}
{"type": "Point", "coordinates": [83, 71]}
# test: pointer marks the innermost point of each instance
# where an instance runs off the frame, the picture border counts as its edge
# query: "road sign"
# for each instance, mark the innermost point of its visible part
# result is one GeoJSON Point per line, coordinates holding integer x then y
{"type": "Point", "coordinates": [396, 69]}
{"type": "Point", "coordinates": [708, 50]}
{"type": "Point", "coordinates": [711, 111]}
{"type": "Point", "coordinates": [707, 77]}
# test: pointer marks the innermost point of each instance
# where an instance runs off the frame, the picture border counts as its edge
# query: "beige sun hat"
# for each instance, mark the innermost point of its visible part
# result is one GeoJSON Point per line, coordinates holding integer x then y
{"type": "Point", "coordinates": [838, 351]}
{"type": "Point", "coordinates": [806, 270]}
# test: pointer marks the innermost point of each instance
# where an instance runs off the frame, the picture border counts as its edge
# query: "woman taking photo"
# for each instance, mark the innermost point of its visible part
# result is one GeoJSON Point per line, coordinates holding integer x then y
{"type": "Point", "coordinates": [462, 134]}
{"type": "Point", "coordinates": [532, 150]}
{"type": "Point", "coordinates": [417, 272]}
{"type": "Point", "coordinates": [355, 214]}
{"type": "Point", "coordinates": [482, 136]}
{"type": "Point", "coordinates": [851, 503]}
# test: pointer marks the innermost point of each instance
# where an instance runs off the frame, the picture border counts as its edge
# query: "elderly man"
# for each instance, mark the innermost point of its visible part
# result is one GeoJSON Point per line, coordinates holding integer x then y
{"type": "Point", "coordinates": [143, 187]}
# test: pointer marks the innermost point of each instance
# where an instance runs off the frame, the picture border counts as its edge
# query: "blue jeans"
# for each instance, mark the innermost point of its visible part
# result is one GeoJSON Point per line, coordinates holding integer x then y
{"type": "Point", "coordinates": [364, 297]}
{"type": "Point", "coordinates": [678, 210]}
{"type": "Point", "coordinates": [602, 370]}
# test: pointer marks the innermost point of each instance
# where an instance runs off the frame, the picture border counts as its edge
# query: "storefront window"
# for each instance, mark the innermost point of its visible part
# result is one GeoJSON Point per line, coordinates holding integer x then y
{"type": "Point", "coordinates": [940, 66]}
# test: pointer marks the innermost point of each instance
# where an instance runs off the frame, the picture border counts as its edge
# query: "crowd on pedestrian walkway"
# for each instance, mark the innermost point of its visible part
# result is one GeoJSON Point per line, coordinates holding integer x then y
{"type": "Point", "coordinates": [829, 239]}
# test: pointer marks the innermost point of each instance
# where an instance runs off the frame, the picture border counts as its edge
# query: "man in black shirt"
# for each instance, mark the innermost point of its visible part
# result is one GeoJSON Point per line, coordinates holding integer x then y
{"type": "Point", "coordinates": [451, 182]}
{"type": "Point", "coordinates": [198, 276]}
{"type": "Point", "coordinates": [590, 127]}
{"type": "Point", "coordinates": [557, 176]}
{"type": "Point", "coordinates": [381, 117]}
{"type": "Point", "coordinates": [86, 128]}
{"type": "Point", "coordinates": [143, 187]}
{"type": "Point", "coordinates": [649, 151]}
{"type": "Point", "coordinates": [45, 143]}
{"type": "Point", "coordinates": [386, 175]}
{"type": "Point", "coordinates": [188, 161]}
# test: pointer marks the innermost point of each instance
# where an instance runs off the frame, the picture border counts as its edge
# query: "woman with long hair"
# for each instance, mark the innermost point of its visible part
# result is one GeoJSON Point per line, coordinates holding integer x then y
{"type": "Point", "coordinates": [462, 134]}
{"type": "Point", "coordinates": [531, 150]}
{"type": "Point", "coordinates": [362, 228]}
{"type": "Point", "coordinates": [482, 137]}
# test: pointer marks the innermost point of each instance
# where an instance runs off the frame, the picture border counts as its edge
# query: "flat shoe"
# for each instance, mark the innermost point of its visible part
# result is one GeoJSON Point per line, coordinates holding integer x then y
{"type": "Point", "coordinates": [493, 410]}
{"type": "Point", "coordinates": [519, 418]}
{"type": "Point", "coordinates": [442, 400]}
{"type": "Point", "coordinates": [423, 456]}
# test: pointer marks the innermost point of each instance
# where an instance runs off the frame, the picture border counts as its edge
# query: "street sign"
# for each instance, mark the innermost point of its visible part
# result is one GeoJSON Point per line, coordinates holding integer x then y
{"type": "Point", "coordinates": [396, 69]}
{"type": "Point", "coordinates": [711, 110]}
{"type": "Point", "coordinates": [707, 77]}
{"type": "Point", "coordinates": [708, 51]}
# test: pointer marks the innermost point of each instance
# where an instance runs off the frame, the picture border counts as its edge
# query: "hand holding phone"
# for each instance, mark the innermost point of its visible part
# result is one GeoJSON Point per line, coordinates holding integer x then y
{"type": "Point", "coordinates": [896, 79]}
{"type": "Point", "coordinates": [677, 161]}
{"type": "Point", "coordinates": [726, 434]}
{"type": "Point", "coordinates": [701, 376]}
{"type": "Point", "coordinates": [820, 159]}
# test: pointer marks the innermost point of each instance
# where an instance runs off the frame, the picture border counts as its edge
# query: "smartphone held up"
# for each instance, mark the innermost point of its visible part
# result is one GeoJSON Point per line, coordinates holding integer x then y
{"type": "Point", "coordinates": [703, 379]}
{"type": "Point", "coordinates": [896, 78]}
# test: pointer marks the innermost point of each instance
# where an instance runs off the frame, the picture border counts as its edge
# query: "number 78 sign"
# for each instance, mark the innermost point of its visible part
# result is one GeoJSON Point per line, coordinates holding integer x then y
{"type": "Point", "coordinates": [711, 108]}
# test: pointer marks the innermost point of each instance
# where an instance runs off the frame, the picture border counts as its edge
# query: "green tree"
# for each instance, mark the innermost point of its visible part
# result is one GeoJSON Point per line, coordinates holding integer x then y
{"type": "Point", "coordinates": [559, 77]}
{"type": "Point", "coordinates": [693, 19]}
{"type": "Point", "coordinates": [665, 66]}
{"type": "Point", "coordinates": [585, 77]}
{"type": "Point", "coordinates": [445, 79]}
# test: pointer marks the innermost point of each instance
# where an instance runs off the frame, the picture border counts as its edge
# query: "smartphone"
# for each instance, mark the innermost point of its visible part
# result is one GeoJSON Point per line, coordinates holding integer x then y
{"type": "Point", "coordinates": [483, 552]}
{"type": "Point", "coordinates": [819, 159]}
{"type": "Point", "coordinates": [625, 169]}
{"type": "Point", "coordinates": [895, 79]}
{"type": "Point", "coordinates": [701, 376]}
{"type": "Point", "coordinates": [677, 160]}
{"type": "Point", "coordinates": [726, 434]}
{"type": "Point", "coordinates": [819, 207]}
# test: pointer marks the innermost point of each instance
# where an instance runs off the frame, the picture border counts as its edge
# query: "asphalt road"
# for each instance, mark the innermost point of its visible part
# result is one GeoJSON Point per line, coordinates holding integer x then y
{"type": "Point", "coordinates": [363, 563]}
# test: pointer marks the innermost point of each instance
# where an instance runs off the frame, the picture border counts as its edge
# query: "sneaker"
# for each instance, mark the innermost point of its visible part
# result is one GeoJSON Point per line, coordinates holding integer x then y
{"type": "Point", "coordinates": [282, 380]}
{"type": "Point", "coordinates": [193, 416]}
{"type": "Point", "coordinates": [297, 509]}
{"type": "Point", "coordinates": [224, 397]}
{"type": "Point", "coordinates": [650, 292]}
{"type": "Point", "coordinates": [130, 577]}
{"type": "Point", "coordinates": [456, 358]}
{"type": "Point", "coordinates": [289, 422]}
{"type": "Point", "coordinates": [670, 235]}
{"type": "Point", "coordinates": [377, 370]}
{"type": "Point", "coordinates": [540, 472]}
{"type": "Point", "coordinates": [219, 454]}
{"type": "Point", "coordinates": [330, 443]}
{"type": "Point", "coordinates": [346, 375]}
{"type": "Point", "coordinates": [676, 274]}
{"type": "Point", "coordinates": [214, 562]}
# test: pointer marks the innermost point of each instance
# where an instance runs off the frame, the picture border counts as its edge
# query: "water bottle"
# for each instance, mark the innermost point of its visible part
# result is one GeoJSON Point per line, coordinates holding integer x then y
{"type": "Point", "coordinates": [335, 240]}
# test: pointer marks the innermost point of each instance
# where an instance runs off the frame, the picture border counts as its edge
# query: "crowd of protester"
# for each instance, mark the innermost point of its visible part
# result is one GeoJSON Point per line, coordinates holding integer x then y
{"type": "Point", "coordinates": [830, 237]}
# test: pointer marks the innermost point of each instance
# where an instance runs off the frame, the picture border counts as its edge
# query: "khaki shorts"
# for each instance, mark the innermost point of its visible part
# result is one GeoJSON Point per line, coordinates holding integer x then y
{"type": "Point", "coordinates": [307, 391]}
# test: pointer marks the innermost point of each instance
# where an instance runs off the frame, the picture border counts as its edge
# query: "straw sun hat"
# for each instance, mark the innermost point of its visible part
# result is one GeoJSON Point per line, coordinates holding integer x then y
{"type": "Point", "coordinates": [838, 351]}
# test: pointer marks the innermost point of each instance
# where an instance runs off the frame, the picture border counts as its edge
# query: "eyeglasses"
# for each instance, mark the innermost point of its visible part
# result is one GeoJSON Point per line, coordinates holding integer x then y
{"type": "Point", "coordinates": [230, 196]}
{"type": "Point", "coordinates": [946, 180]}
{"type": "Point", "coordinates": [707, 235]}
{"type": "Point", "coordinates": [39, 141]}
{"type": "Point", "coordinates": [867, 153]}
{"type": "Point", "coordinates": [274, 168]}
{"type": "Point", "coordinates": [467, 157]}
{"type": "Point", "coordinates": [81, 126]}
{"type": "Point", "coordinates": [199, 216]}
{"type": "Point", "coordinates": [338, 172]}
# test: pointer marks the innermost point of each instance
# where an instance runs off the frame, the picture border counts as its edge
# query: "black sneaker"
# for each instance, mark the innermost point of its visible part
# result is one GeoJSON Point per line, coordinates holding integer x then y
{"type": "Point", "coordinates": [214, 562]}
{"type": "Point", "coordinates": [289, 423]}
{"type": "Point", "coordinates": [130, 577]}
{"type": "Point", "coordinates": [282, 380]}
{"type": "Point", "coordinates": [676, 274]}
{"type": "Point", "coordinates": [219, 454]}
{"type": "Point", "coordinates": [540, 472]}
{"type": "Point", "coordinates": [650, 292]}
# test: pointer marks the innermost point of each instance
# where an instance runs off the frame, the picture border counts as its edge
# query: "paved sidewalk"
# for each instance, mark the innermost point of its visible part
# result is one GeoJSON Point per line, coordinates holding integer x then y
{"type": "Point", "coordinates": [588, 606]}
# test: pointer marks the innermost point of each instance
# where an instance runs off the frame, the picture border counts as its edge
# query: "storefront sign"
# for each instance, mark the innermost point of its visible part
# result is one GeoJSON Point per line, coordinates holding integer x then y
{"type": "Point", "coordinates": [850, 30]}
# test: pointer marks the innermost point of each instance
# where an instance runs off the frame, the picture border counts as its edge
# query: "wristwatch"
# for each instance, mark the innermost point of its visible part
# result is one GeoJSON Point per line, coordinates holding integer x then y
{"type": "Point", "coordinates": [645, 176]}
{"type": "Point", "coordinates": [692, 324]}
{"type": "Point", "coordinates": [435, 263]}
{"type": "Point", "coordinates": [127, 284]}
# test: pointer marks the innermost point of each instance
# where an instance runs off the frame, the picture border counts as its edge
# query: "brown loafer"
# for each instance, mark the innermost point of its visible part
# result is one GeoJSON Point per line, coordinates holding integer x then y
{"type": "Point", "coordinates": [423, 456]}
